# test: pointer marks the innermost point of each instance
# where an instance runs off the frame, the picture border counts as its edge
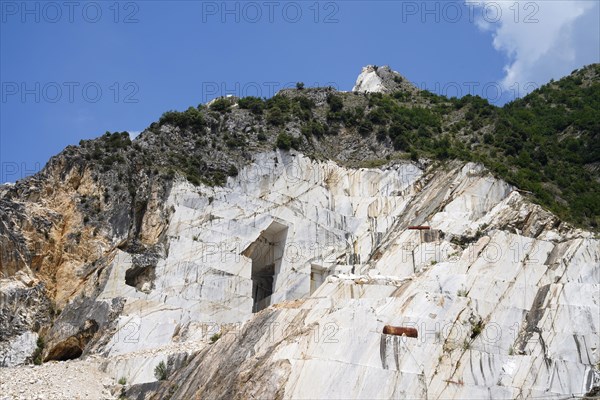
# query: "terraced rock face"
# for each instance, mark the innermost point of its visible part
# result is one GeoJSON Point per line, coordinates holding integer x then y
{"type": "Point", "coordinates": [299, 264]}
{"type": "Point", "coordinates": [504, 297]}
{"type": "Point", "coordinates": [219, 255]}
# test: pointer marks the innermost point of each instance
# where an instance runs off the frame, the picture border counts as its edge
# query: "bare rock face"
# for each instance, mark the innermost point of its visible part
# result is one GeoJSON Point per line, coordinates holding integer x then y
{"type": "Point", "coordinates": [485, 293]}
{"type": "Point", "coordinates": [374, 79]}
{"type": "Point", "coordinates": [24, 310]}
{"type": "Point", "coordinates": [300, 264]}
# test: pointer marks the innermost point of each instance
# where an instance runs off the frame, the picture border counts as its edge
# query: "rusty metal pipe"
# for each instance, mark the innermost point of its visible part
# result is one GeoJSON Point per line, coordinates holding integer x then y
{"type": "Point", "coordinates": [400, 331]}
{"type": "Point", "coordinates": [419, 228]}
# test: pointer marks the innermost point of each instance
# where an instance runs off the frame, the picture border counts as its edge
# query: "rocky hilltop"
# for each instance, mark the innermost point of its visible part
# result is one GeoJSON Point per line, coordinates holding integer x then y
{"type": "Point", "coordinates": [253, 248]}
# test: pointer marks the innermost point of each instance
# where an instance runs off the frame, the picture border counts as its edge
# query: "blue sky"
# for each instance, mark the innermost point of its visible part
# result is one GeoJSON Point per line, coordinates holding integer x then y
{"type": "Point", "coordinates": [75, 70]}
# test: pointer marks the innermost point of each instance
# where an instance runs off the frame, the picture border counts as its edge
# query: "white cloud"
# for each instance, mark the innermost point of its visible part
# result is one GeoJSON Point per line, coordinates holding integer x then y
{"type": "Point", "coordinates": [542, 39]}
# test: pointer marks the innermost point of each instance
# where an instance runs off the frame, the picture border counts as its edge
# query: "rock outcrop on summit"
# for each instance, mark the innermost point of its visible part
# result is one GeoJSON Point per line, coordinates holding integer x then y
{"type": "Point", "coordinates": [374, 79]}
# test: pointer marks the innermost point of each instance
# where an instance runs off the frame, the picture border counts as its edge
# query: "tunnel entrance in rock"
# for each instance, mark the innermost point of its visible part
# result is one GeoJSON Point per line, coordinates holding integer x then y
{"type": "Point", "coordinates": [68, 349]}
{"type": "Point", "coordinates": [318, 274]}
{"type": "Point", "coordinates": [73, 346]}
{"type": "Point", "coordinates": [266, 253]}
{"type": "Point", "coordinates": [262, 286]}
{"type": "Point", "coordinates": [141, 278]}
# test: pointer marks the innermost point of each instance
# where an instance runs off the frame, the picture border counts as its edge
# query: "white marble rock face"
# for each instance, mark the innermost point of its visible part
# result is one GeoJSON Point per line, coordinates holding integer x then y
{"type": "Point", "coordinates": [321, 214]}
{"type": "Point", "coordinates": [505, 301]}
{"type": "Point", "coordinates": [536, 297]}
{"type": "Point", "coordinates": [368, 81]}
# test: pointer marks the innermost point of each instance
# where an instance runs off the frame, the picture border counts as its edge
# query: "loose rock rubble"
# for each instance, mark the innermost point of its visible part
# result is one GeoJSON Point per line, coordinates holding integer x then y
{"type": "Point", "coordinates": [68, 380]}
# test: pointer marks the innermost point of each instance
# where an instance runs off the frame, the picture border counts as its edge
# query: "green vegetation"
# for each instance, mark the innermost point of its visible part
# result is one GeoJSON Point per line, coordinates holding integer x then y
{"type": "Point", "coordinates": [37, 354]}
{"type": "Point", "coordinates": [232, 171]}
{"type": "Point", "coordinates": [314, 128]}
{"type": "Point", "coordinates": [122, 381]}
{"type": "Point", "coordinates": [215, 337]}
{"type": "Point", "coordinates": [234, 141]}
{"type": "Point", "coordinates": [191, 118]}
{"type": "Point", "coordinates": [116, 140]}
{"type": "Point", "coordinates": [544, 142]}
{"type": "Point", "coordinates": [286, 142]}
{"type": "Point", "coordinates": [335, 103]}
{"type": "Point", "coordinates": [161, 372]}
{"type": "Point", "coordinates": [476, 329]}
{"type": "Point", "coordinates": [541, 143]}
{"type": "Point", "coordinates": [276, 117]}
{"type": "Point", "coordinates": [222, 105]}
{"type": "Point", "coordinates": [283, 109]}
{"type": "Point", "coordinates": [107, 150]}
{"type": "Point", "coordinates": [254, 104]}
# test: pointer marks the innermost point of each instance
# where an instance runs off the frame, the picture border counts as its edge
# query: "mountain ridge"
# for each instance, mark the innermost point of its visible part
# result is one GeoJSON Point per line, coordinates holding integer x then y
{"type": "Point", "coordinates": [163, 262]}
{"type": "Point", "coordinates": [208, 143]}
